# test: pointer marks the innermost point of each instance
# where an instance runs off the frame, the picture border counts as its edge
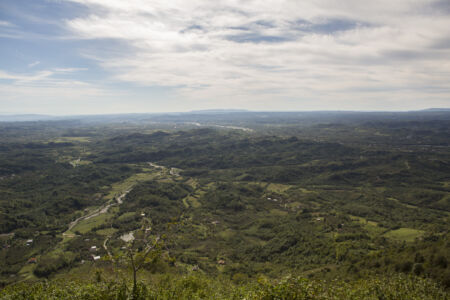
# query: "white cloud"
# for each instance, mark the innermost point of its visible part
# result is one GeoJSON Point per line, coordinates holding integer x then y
{"type": "Point", "coordinates": [18, 78]}
{"type": "Point", "coordinates": [69, 70]}
{"type": "Point", "coordinates": [321, 51]}
{"type": "Point", "coordinates": [70, 97]}
{"type": "Point", "coordinates": [33, 64]}
{"type": "Point", "coordinates": [6, 24]}
{"type": "Point", "coordinates": [46, 92]}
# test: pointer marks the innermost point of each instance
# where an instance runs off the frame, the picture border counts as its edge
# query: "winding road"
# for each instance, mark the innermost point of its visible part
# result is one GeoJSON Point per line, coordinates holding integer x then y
{"type": "Point", "coordinates": [101, 210]}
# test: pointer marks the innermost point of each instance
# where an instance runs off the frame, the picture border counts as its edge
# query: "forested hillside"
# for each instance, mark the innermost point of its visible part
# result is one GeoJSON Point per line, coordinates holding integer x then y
{"type": "Point", "coordinates": [234, 205]}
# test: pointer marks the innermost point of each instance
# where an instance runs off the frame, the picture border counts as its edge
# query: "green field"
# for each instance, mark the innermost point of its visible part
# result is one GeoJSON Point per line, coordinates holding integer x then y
{"type": "Point", "coordinates": [404, 234]}
{"type": "Point", "coordinates": [87, 225]}
{"type": "Point", "coordinates": [119, 188]}
{"type": "Point", "coordinates": [79, 139]}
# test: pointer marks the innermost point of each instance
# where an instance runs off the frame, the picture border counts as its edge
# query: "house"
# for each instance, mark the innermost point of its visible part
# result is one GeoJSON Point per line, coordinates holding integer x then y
{"type": "Point", "coordinates": [93, 249]}
{"type": "Point", "coordinates": [32, 260]}
{"type": "Point", "coordinates": [95, 258]}
{"type": "Point", "coordinates": [221, 262]}
{"type": "Point", "coordinates": [29, 242]}
{"type": "Point", "coordinates": [215, 222]}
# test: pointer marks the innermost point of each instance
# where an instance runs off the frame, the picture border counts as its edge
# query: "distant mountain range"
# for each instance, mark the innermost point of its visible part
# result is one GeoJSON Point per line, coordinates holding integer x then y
{"type": "Point", "coordinates": [436, 109]}
{"type": "Point", "coordinates": [137, 117]}
{"type": "Point", "coordinates": [26, 117]}
{"type": "Point", "coordinates": [218, 111]}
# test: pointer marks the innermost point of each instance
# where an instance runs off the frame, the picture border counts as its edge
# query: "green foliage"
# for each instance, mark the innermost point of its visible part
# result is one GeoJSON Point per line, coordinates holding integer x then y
{"type": "Point", "coordinates": [324, 199]}
{"type": "Point", "coordinates": [201, 287]}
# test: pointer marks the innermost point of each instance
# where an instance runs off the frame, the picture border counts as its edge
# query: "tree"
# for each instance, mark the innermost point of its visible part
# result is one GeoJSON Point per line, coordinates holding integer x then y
{"type": "Point", "coordinates": [143, 249]}
{"type": "Point", "coordinates": [141, 252]}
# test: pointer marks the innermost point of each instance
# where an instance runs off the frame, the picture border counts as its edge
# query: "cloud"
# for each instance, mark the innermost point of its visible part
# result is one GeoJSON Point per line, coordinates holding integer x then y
{"type": "Point", "coordinates": [41, 77]}
{"type": "Point", "coordinates": [47, 92]}
{"type": "Point", "coordinates": [258, 54]}
{"type": "Point", "coordinates": [69, 70]}
{"type": "Point", "coordinates": [33, 64]}
{"type": "Point", "coordinates": [70, 97]}
{"type": "Point", "coordinates": [6, 24]}
{"type": "Point", "coordinates": [21, 78]}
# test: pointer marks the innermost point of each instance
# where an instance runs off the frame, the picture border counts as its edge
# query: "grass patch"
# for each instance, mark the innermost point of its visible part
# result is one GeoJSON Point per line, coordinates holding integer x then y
{"type": "Point", "coordinates": [106, 231]}
{"type": "Point", "coordinates": [202, 230]}
{"type": "Point", "coordinates": [226, 234]}
{"type": "Point", "coordinates": [404, 234]}
{"type": "Point", "coordinates": [192, 182]}
{"type": "Point", "coordinates": [120, 187]}
{"type": "Point", "coordinates": [27, 272]}
{"type": "Point", "coordinates": [294, 205]}
{"type": "Point", "coordinates": [126, 215]}
{"type": "Point", "coordinates": [79, 139]}
{"type": "Point", "coordinates": [374, 230]}
{"type": "Point", "coordinates": [305, 191]}
{"type": "Point", "coordinates": [278, 188]}
{"type": "Point", "coordinates": [363, 221]}
{"type": "Point", "coordinates": [194, 201]}
{"type": "Point", "coordinates": [87, 225]}
{"type": "Point", "coordinates": [76, 163]}
{"type": "Point", "coordinates": [401, 203]}
{"type": "Point", "coordinates": [278, 212]}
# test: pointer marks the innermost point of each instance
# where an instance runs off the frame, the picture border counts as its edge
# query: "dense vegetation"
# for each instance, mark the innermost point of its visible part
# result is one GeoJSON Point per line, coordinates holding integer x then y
{"type": "Point", "coordinates": [246, 198]}
{"type": "Point", "coordinates": [202, 287]}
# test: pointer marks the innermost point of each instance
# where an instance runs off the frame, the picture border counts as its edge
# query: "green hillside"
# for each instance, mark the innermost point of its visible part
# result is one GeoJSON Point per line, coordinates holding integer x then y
{"type": "Point", "coordinates": [353, 210]}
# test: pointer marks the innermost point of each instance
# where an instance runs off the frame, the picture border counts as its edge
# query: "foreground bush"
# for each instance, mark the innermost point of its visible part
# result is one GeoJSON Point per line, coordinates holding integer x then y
{"type": "Point", "coordinates": [202, 287]}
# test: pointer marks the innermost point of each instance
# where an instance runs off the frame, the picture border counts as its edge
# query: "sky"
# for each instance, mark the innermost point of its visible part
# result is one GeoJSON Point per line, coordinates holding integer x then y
{"type": "Point", "coordinates": [66, 57]}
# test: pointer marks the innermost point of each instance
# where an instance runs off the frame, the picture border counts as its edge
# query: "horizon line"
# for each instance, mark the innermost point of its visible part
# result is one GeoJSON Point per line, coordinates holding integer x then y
{"type": "Point", "coordinates": [231, 110]}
